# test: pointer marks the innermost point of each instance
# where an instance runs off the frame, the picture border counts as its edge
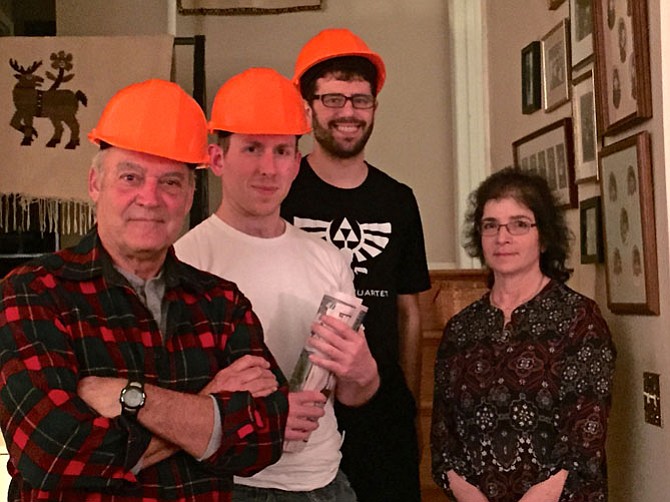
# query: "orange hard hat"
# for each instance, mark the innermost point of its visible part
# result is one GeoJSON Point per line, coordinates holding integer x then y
{"type": "Point", "coordinates": [259, 101]}
{"type": "Point", "coordinates": [155, 117]}
{"type": "Point", "coordinates": [333, 43]}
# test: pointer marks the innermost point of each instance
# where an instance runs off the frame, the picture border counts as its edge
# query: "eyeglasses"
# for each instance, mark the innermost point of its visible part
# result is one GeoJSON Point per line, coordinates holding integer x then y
{"type": "Point", "coordinates": [515, 227]}
{"type": "Point", "coordinates": [337, 100]}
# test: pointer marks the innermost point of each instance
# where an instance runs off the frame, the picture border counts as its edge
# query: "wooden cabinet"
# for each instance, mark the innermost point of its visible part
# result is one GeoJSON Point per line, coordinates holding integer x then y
{"type": "Point", "coordinates": [451, 291]}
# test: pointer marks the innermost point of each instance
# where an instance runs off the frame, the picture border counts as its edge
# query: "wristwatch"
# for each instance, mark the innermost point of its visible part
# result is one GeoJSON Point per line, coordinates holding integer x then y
{"type": "Point", "coordinates": [132, 398]}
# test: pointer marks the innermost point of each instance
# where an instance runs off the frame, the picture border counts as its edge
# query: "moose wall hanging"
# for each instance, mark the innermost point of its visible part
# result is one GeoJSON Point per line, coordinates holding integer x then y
{"type": "Point", "coordinates": [52, 92]}
{"type": "Point", "coordinates": [58, 105]}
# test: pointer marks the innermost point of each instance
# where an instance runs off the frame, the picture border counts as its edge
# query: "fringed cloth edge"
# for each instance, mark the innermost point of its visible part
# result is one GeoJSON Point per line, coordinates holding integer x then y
{"type": "Point", "coordinates": [53, 215]}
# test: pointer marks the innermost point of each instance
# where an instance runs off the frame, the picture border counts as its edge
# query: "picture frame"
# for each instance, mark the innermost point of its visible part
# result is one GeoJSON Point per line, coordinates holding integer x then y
{"type": "Point", "coordinates": [581, 32]}
{"type": "Point", "coordinates": [244, 7]}
{"type": "Point", "coordinates": [555, 66]}
{"type": "Point", "coordinates": [629, 226]}
{"type": "Point", "coordinates": [555, 4]}
{"type": "Point", "coordinates": [590, 231]}
{"type": "Point", "coordinates": [623, 75]}
{"type": "Point", "coordinates": [585, 128]}
{"type": "Point", "coordinates": [531, 77]}
{"type": "Point", "coordinates": [549, 152]}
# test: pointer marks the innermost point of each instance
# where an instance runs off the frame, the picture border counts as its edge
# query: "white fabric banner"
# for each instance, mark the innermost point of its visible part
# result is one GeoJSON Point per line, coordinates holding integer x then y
{"type": "Point", "coordinates": [52, 92]}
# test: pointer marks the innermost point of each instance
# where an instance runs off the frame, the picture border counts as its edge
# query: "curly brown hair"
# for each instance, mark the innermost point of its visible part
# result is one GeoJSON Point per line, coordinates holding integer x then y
{"type": "Point", "coordinates": [532, 191]}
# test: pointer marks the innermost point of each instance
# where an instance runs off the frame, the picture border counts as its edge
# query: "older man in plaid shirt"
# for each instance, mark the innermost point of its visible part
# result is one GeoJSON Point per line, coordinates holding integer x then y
{"type": "Point", "coordinates": [125, 374]}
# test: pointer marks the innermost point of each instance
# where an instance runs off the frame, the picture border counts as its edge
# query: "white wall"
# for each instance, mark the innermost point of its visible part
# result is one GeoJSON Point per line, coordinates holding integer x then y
{"type": "Point", "coordinates": [112, 17]}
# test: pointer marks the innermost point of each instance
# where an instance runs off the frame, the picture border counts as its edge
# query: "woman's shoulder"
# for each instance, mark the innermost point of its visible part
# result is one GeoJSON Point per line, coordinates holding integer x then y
{"type": "Point", "coordinates": [474, 312]}
{"type": "Point", "coordinates": [561, 292]}
{"type": "Point", "coordinates": [574, 309]}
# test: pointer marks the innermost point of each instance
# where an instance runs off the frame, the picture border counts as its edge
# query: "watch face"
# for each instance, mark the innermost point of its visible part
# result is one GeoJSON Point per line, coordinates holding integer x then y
{"type": "Point", "coordinates": [133, 397]}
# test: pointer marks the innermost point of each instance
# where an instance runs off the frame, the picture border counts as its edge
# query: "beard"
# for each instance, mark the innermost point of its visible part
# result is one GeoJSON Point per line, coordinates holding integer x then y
{"type": "Point", "coordinates": [324, 137]}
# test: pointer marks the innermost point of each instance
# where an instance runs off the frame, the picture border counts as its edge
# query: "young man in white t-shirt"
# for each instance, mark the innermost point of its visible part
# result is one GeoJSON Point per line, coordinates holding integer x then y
{"type": "Point", "coordinates": [258, 116]}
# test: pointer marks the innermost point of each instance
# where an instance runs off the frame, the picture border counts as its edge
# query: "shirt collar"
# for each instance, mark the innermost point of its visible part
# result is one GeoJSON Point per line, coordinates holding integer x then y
{"type": "Point", "coordinates": [89, 260]}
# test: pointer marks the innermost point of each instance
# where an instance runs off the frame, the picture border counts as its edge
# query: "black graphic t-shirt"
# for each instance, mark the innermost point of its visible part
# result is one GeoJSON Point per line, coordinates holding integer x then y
{"type": "Point", "coordinates": [378, 226]}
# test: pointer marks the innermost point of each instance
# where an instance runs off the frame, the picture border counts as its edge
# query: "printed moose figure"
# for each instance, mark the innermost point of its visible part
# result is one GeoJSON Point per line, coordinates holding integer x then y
{"type": "Point", "coordinates": [58, 105]}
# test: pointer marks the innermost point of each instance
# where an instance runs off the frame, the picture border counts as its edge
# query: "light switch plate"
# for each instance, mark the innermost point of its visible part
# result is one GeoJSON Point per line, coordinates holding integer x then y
{"type": "Point", "coordinates": [652, 398]}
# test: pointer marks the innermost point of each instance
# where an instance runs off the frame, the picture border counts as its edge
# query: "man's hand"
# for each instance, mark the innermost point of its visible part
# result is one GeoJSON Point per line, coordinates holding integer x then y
{"type": "Point", "coordinates": [248, 373]}
{"type": "Point", "coordinates": [305, 408]}
{"type": "Point", "coordinates": [348, 356]}
{"type": "Point", "coordinates": [102, 394]}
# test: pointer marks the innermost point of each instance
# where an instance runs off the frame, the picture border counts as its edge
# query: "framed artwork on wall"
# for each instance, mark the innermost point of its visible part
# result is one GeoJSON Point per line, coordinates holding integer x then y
{"type": "Point", "coordinates": [629, 226]}
{"type": "Point", "coordinates": [581, 32]}
{"type": "Point", "coordinates": [531, 77]}
{"type": "Point", "coordinates": [590, 231]}
{"type": "Point", "coordinates": [244, 7]}
{"type": "Point", "coordinates": [623, 77]}
{"type": "Point", "coordinates": [549, 153]}
{"type": "Point", "coordinates": [555, 66]}
{"type": "Point", "coordinates": [555, 4]}
{"type": "Point", "coordinates": [585, 129]}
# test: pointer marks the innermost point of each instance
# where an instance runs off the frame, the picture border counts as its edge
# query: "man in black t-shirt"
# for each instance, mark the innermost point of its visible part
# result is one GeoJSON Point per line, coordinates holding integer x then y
{"type": "Point", "coordinates": [375, 220]}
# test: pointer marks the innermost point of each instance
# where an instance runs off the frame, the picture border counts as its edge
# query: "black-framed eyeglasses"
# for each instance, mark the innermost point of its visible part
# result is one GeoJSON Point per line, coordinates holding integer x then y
{"type": "Point", "coordinates": [337, 100]}
{"type": "Point", "coordinates": [515, 227]}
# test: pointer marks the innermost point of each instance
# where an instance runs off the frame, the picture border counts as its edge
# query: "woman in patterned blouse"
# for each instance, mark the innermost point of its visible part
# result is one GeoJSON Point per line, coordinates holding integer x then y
{"type": "Point", "coordinates": [523, 376]}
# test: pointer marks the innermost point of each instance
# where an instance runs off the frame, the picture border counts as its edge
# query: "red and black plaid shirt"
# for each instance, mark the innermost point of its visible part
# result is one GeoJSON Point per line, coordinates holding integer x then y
{"type": "Point", "coordinates": [70, 315]}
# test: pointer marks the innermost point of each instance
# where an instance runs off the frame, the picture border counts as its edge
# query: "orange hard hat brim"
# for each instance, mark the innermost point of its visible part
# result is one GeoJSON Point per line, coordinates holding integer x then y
{"type": "Point", "coordinates": [375, 59]}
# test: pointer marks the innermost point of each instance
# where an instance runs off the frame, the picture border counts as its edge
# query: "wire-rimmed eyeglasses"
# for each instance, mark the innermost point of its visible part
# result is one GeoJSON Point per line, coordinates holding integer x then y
{"type": "Point", "coordinates": [337, 100]}
{"type": "Point", "coordinates": [514, 227]}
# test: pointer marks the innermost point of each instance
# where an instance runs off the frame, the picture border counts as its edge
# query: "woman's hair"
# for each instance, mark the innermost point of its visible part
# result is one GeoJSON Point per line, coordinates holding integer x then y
{"type": "Point", "coordinates": [532, 191]}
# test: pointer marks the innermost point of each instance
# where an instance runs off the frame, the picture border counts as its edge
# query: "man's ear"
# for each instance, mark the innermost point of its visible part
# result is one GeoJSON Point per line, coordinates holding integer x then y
{"type": "Point", "coordinates": [296, 166]}
{"type": "Point", "coordinates": [215, 158]}
{"type": "Point", "coordinates": [308, 111]}
{"type": "Point", "coordinates": [94, 180]}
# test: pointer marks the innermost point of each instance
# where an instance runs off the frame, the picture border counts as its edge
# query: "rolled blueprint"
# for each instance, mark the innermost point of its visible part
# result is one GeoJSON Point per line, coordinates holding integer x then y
{"type": "Point", "coordinates": [309, 376]}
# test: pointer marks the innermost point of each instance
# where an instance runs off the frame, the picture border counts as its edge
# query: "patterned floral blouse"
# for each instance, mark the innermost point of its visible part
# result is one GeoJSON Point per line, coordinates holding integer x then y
{"type": "Point", "coordinates": [516, 403]}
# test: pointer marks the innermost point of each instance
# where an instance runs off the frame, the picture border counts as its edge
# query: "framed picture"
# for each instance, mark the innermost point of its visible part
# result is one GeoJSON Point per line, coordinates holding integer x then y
{"type": "Point", "coordinates": [555, 4]}
{"type": "Point", "coordinates": [585, 130]}
{"type": "Point", "coordinates": [629, 224]}
{"type": "Point", "coordinates": [555, 66]}
{"type": "Point", "coordinates": [581, 32]}
{"type": "Point", "coordinates": [590, 231]}
{"type": "Point", "coordinates": [531, 74]}
{"type": "Point", "coordinates": [244, 7]}
{"type": "Point", "coordinates": [549, 153]}
{"type": "Point", "coordinates": [623, 77]}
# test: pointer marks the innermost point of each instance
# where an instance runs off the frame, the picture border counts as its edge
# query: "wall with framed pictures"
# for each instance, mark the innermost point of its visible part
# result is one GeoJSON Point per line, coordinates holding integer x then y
{"type": "Point", "coordinates": [598, 59]}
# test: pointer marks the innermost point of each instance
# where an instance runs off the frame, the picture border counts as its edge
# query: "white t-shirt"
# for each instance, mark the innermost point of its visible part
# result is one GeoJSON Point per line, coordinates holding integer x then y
{"type": "Point", "coordinates": [284, 278]}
